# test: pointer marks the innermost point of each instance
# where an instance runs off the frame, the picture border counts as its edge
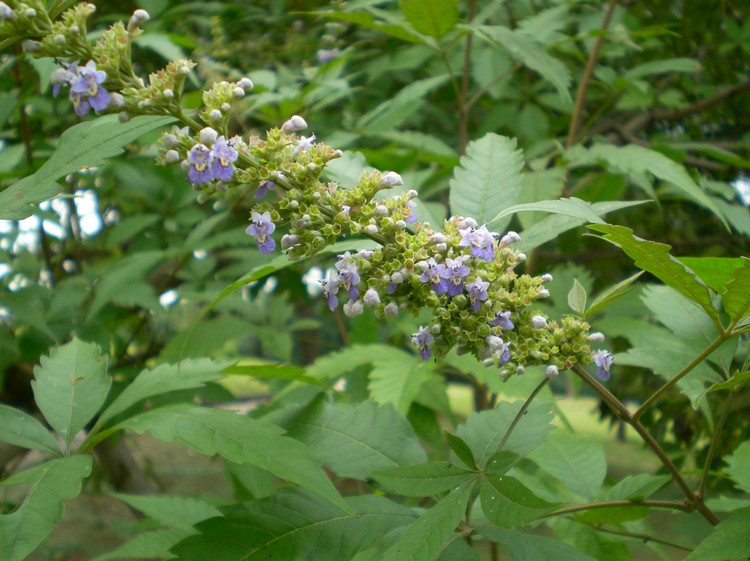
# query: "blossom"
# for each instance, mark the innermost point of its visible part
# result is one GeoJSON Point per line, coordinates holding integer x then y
{"type": "Point", "coordinates": [85, 90]}
{"type": "Point", "coordinates": [502, 319]}
{"type": "Point", "coordinates": [551, 371]}
{"type": "Point", "coordinates": [499, 347]}
{"type": "Point", "coordinates": [6, 12]}
{"type": "Point", "coordinates": [200, 158]}
{"type": "Point", "coordinates": [223, 155]}
{"type": "Point", "coordinates": [434, 274]}
{"type": "Point", "coordinates": [477, 292]}
{"type": "Point", "coordinates": [330, 288]}
{"type": "Point", "coordinates": [603, 359]}
{"type": "Point", "coordinates": [262, 228]}
{"type": "Point", "coordinates": [421, 339]}
{"type": "Point", "coordinates": [454, 272]}
{"type": "Point", "coordinates": [295, 123]}
{"type": "Point", "coordinates": [391, 179]}
{"type": "Point", "coordinates": [348, 274]}
{"type": "Point", "coordinates": [327, 55]}
{"type": "Point", "coordinates": [263, 189]}
{"type": "Point", "coordinates": [62, 76]}
{"type": "Point", "coordinates": [509, 238]}
{"type": "Point", "coordinates": [480, 241]}
{"type": "Point", "coordinates": [412, 219]}
{"type": "Point", "coordinates": [371, 297]}
{"type": "Point", "coordinates": [208, 135]}
{"type": "Point", "coordinates": [304, 144]}
{"type": "Point", "coordinates": [538, 322]}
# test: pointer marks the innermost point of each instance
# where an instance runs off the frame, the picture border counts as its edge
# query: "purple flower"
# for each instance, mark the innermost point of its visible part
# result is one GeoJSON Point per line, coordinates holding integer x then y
{"type": "Point", "coordinates": [262, 228]}
{"type": "Point", "coordinates": [480, 241]}
{"type": "Point", "coordinates": [85, 89]}
{"type": "Point", "coordinates": [348, 274]}
{"type": "Point", "coordinates": [223, 155]}
{"type": "Point", "coordinates": [477, 292]}
{"type": "Point", "coordinates": [330, 288]}
{"type": "Point", "coordinates": [200, 171]}
{"type": "Point", "coordinates": [263, 189]}
{"type": "Point", "coordinates": [499, 347]}
{"type": "Point", "coordinates": [421, 339]}
{"type": "Point", "coordinates": [434, 274]}
{"type": "Point", "coordinates": [454, 273]}
{"type": "Point", "coordinates": [304, 144]}
{"type": "Point", "coordinates": [62, 77]}
{"type": "Point", "coordinates": [412, 219]}
{"type": "Point", "coordinates": [603, 359]}
{"type": "Point", "coordinates": [392, 287]}
{"type": "Point", "coordinates": [502, 319]}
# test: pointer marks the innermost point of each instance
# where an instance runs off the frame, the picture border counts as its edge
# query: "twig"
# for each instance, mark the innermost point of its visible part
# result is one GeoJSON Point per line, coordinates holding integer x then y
{"type": "Point", "coordinates": [522, 412]}
{"type": "Point", "coordinates": [669, 505]}
{"type": "Point", "coordinates": [643, 537]}
{"type": "Point", "coordinates": [718, 431]}
{"type": "Point", "coordinates": [463, 135]}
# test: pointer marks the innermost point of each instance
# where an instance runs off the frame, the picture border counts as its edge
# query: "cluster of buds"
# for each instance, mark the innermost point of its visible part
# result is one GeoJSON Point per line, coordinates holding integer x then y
{"type": "Point", "coordinates": [463, 272]}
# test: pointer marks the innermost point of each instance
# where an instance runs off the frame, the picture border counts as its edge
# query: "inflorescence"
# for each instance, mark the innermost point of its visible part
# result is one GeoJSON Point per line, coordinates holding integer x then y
{"type": "Point", "coordinates": [464, 272]}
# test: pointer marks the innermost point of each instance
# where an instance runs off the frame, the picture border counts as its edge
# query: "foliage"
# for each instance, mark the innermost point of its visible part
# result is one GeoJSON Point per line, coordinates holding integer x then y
{"type": "Point", "coordinates": [611, 137]}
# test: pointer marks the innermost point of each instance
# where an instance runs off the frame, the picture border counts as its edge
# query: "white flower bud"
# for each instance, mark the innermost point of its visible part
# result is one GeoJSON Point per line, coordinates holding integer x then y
{"type": "Point", "coordinates": [74, 29]}
{"type": "Point", "coordinates": [59, 39]}
{"type": "Point", "coordinates": [371, 297]}
{"type": "Point", "coordinates": [208, 136]}
{"type": "Point", "coordinates": [370, 229]}
{"type": "Point", "coordinates": [509, 238]}
{"type": "Point", "coordinates": [421, 266]}
{"type": "Point", "coordinates": [169, 94]}
{"type": "Point", "coordinates": [31, 46]}
{"type": "Point", "coordinates": [467, 222]}
{"type": "Point", "coordinates": [288, 241]}
{"type": "Point", "coordinates": [437, 238]}
{"type": "Point", "coordinates": [60, 76]}
{"type": "Point", "coordinates": [543, 293]}
{"type": "Point", "coordinates": [441, 247]}
{"type": "Point", "coordinates": [494, 342]}
{"type": "Point", "coordinates": [538, 322]}
{"type": "Point", "coordinates": [295, 123]}
{"type": "Point", "coordinates": [185, 165]}
{"type": "Point", "coordinates": [238, 92]}
{"type": "Point", "coordinates": [521, 257]}
{"type": "Point", "coordinates": [30, 13]}
{"type": "Point", "coordinates": [412, 194]}
{"type": "Point", "coordinates": [551, 371]}
{"type": "Point", "coordinates": [546, 277]}
{"type": "Point", "coordinates": [215, 115]}
{"type": "Point", "coordinates": [397, 277]}
{"type": "Point", "coordinates": [520, 370]}
{"type": "Point", "coordinates": [116, 101]}
{"type": "Point", "coordinates": [138, 18]}
{"type": "Point", "coordinates": [170, 141]}
{"type": "Point", "coordinates": [226, 107]}
{"type": "Point", "coordinates": [391, 310]}
{"type": "Point", "coordinates": [391, 179]}
{"type": "Point", "coordinates": [246, 84]}
{"type": "Point", "coordinates": [489, 362]}
{"type": "Point", "coordinates": [6, 12]}
{"type": "Point", "coordinates": [381, 210]}
{"type": "Point", "coordinates": [183, 70]}
{"type": "Point", "coordinates": [172, 157]}
{"type": "Point", "coordinates": [596, 337]}
{"type": "Point", "coordinates": [123, 117]}
{"type": "Point", "coordinates": [435, 329]}
{"type": "Point", "coordinates": [353, 308]}
{"type": "Point", "coordinates": [400, 224]}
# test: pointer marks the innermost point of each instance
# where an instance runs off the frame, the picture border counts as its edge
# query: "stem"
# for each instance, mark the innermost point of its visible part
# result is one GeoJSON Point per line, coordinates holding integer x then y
{"type": "Point", "coordinates": [700, 358]}
{"type": "Point", "coordinates": [669, 505]}
{"type": "Point", "coordinates": [463, 134]}
{"type": "Point", "coordinates": [715, 437]}
{"type": "Point", "coordinates": [522, 412]}
{"type": "Point", "coordinates": [588, 70]}
{"type": "Point", "coordinates": [644, 538]}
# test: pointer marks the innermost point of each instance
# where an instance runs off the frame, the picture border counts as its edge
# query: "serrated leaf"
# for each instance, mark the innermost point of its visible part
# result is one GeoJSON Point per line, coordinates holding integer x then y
{"type": "Point", "coordinates": [431, 17]}
{"type": "Point", "coordinates": [368, 21]}
{"type": "Point", "coordinates": [484, 431]}
{"type": "Point", "coordinates": [637, 487]}
{"type": "Point", "coordinates": [664, 66]}
{"type": "Point", "coordinates": [164, 378]}
{"type": "Point", "coordinates": [539, 185]}
{"type": "Point", "coordinates": [577, 298]}
{"type": "Point", "coordinates": [739, 466]}
{"type": "Point", "coordinates": [573, 207]}
{"type": "Point", "coordinates": [273, 370]}
{"type": "Point", "coordinates": [82, 145]}
{"type": "Point", "coordinates": [426, 537]}
{"type": "Point", "coordinates": [355, 440]}
{"type": "Point", "coordinates": [530, 53]}
{"type": "Point", "coordinates": [423, 480]}
{"type": "Point", "coordinates": [396, 378]}
{"type": "Point", "coordinates": [729, 540]}
{"type": "Point", "coordinates": [612, 514]}
{"type": "Point", "coordinates": [716, 272]}
{"type": "Point", "coordinates": [736, 300]}
{"type": "Point", "coordinates": [461, 450]}
{"type": "Point", "coordinates": [238, 439]}
{"type": "Point", "coordinates": [52, 482]}
{"type": "Point", "coordinates": [655, 258]}
{"type": "Point", "coordinates": [734, 381]}
{"type": "Point", "coordinates": [148, 545]}
{"type": "Point", "coordinates": [70, 386]}
{"type": "Point", "coordinates": [528, 547]}
{"type": "Point", "coordinates": [578, 463]}
{"type": "Point", "coordinates": [178, 512]}
{"type": "Point", "coordinates": [509, 503]}
{"type": "Point", "coordinates": [294, 524]}
{"type": "Point", "coordinates": [488, 179]}
{"type": "Point", "coordinates": [21, 429]}
{"type": "Point", "coordinates": [612, 293]}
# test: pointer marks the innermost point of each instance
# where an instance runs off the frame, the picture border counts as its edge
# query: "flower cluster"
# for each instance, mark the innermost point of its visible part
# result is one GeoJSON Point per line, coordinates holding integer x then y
{"type": "Point", "coordinates": [86, 92]}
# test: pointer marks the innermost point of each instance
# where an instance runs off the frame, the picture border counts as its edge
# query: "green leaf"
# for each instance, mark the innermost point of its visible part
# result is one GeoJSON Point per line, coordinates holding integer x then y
{"type": "Point", "coordinates": [238, 439]}
{"type": "Point", "coordinates": [26, 431]}
{"type": "Point", "coordinates": [539, 185]}
{"type": "Point", "coordinates": [664, 66]}
{"type": "Point", "coordinates": [509, 503]}
{"type": "Point", "coordinates": [422, 480]}
{"type": "Point", "coordinates": [739, 466]}
{"type": "Point", "coordinates": [729, 540]}
{"type": "Point", "coordinates": [612, 293]}
{"type": "Point", "coordinates": [396, 378]}
{"type": "Point", "coordinates": [577, 298]}
{"type": "Point", "coordinates": [461, 450]}
{"type": "Point", "coordinates": [655, 258]}
{"type": "Point", "coordinates": [578, 463]}
{"type": "Point", "coordinates": [501, 461]}
{"type": "Point", "coordinates": [528, 547]}
{"type": "Point", "coordinates": [82, 145]}
{"type": "Point", "coordinates": [716, 272]}
{"type": "Point", "coordinates": [177, 512]}
{"type": "Point", "coordinates": [488, 179]}
{"type": "Point", "coordinates": [734, 381]}
{"type": "Point", "coordinates": [294, 524]}
{"type": "Point", "coordinates": [484, 431]}
{"type": "Point", "coordinates": [573, 207]}
{"type": "Point", "coordinates": [431, 17]}
{"type": "Point", "coordinates": [529, 52]}
{"type": "Point", "coordinates": [164, 378]}
{"type": "Point", "coordinates": [70, 386]}
{"type": "Point", "coordinates": [148, 545]}
{"type": "Point", "coordinates": [426, 537]}
{"type": "Point", "coordinates": [52, 482]}
{"type": "Point", "coordinates": [368, 21]}
{"type": "Point", "coordinates": [354, 440]}
{"type": "Point", "coordinates": [736, 299]}
{"type": "Point", "coordinates": [258, 368]}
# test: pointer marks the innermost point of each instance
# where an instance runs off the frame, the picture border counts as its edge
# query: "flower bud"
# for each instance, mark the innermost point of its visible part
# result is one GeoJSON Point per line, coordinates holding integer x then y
{"type": "Point", "coordinates": [538, 322]}
{"type": "Point", "coordinates": [60, 40]}
{"type": "Point", "coordinates": [226, 108]}
{"type": "Point", "coordinates": [509, 238]}
{"type": "Point", "coordinates": [521, 257]}
{"type": "Point", "coordinates": [295, 123]}
{"type": "Point", "coordinates": [596, 337]}
{"type": "Point", "coordinates": [238, 92]}
{"type": "Point", "coordinates": [546, 277]}
{"type": "Point", "coordinates": [123, 117]}
{"type": "Point", "coordinates": [246, 84]}
{"type": "Point", "coordinates": [31, 46]}
{"type": "Point", "coordinates": [551, 371]}
{"type": "Point", "coordinates": [371, 297]}
{"type": "Point", "coordinates": [391, 310]}
{"type": "Point", "coordinates": [353, 308]}
{"type": "Point", "coordinates": [172, 157]}
{"type": "Point", "coordinates": [170, 141]}
{"type": "Point", "coordinates": [6, 12]}
{"type": "Point", "coordinates": [467, 222]}
{"type": "Point", "coordinates": [208, 135]}
{"type": "Point", "coordinates": [30, 13]}
{"type": "Point", "coordinates": [288, 241]}
{"type": "Point", "coordinates": [391, 179]}
{"type": "Point", "coordinates": [437, 238]}
{"type": "Point", "coordinates": [169, 94]}
{"type": "Point", "coordinates": [381, 210]}
{"type": "Point", "coordinates": [215, 115]}
{"type": "Point", "coordinates": [138, 18]}
{"type": "Point", "coordinates": [371, 229]}
{"type": "Point", "coordinates": [520, 370]}
{"type": "Point", "coordinates": [543, 293]}
{"type": "Point", "coordinates": [116, 101]}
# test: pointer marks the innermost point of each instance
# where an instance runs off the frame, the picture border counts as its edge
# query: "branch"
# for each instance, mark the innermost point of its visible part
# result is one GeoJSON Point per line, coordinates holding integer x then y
{"type": "Point", "coordinates": [522, 412]}
{"type": "Point", "coordinates": [645, 538]}
{"type": "Point", "coordinates": [701, 492]}
{"type": "Point", "coordinates": [669, 505]}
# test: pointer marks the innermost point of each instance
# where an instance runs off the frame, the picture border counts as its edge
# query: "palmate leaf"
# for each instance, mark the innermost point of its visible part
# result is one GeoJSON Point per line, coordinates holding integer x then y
{"type": "Point", "coordinates": [509, 503]}
{"type": "Point", "coordinates": [70, 386]}
{"type": "Point", "coordinates": [177, 512]}
{"type": "Point", "coordinates": [355, 440]}
{"type": "Point", "coordinates": [423, 480]}
{"type": "Point", "coordinates": [729, 540]}
{"type": "Point", "coordinates": [52, 482]}
{"type": "Point", "coordinates": [716, 272]}
{"type": "Point", "coordinates": [655, 258]}
{"type": "Point", "coordinates": [396, 378]}
{"type": "Point", "coordinates": [294, 524]}
{"type": "Point", "coordinates": [488, 179]}
{"type": "Point", "coordinates": [528, 547]}
{"type": "Point", "coordinates": [431, 17]}
{"type": "Point", "coordinates": [238, 439]}
{"type": "Point", "coordinates": [21, 429]}
{"type": "Point", "coordinates": [573, 207]}
{"type": "Point", "coordinates": [82, 145]}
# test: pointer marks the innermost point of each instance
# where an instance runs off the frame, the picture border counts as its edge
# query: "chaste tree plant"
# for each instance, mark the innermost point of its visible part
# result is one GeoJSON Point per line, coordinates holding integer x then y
{"type": "Point", "coordinates": [137, 323]}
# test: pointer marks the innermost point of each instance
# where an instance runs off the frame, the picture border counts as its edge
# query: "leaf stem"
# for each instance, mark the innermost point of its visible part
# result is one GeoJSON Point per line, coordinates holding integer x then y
{"type": "Point", "coordinates": [715, 437]}
{"type": "Point", "coordinates": [463, 135]}
{"type": "Point", "coordinates": [644, 538]}
{"type": "Point", "coordinates": [669, 505]}
{"type": "Point", "coordinates": [522, 412]}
